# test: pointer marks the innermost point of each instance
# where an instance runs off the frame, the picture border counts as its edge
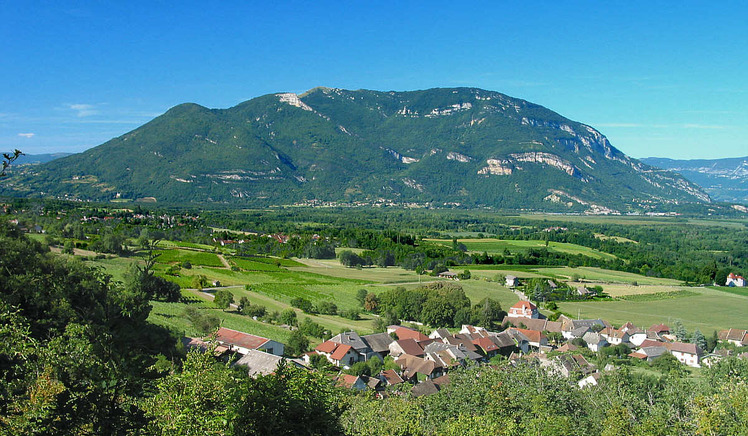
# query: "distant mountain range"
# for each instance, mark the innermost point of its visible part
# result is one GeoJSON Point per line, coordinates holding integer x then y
{"type": "Point", "coordinates": [39, 158]}
{"type": "Point", "coordinates": [724, 179]}
{"type": "Point", "coordinates": [444, 146]}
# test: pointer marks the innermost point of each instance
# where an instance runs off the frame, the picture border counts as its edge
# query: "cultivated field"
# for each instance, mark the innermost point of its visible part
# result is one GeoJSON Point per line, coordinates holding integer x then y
{"type": "Point", "coordinates": [497, 246]}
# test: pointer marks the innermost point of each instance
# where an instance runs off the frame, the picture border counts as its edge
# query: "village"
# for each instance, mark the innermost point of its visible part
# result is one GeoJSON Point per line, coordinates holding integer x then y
{"type": "Point", "coordinates": [422, 362]}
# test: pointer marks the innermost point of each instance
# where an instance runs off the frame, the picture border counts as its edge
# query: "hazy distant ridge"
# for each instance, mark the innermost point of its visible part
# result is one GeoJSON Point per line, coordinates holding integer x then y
{"type": "Point", "coordinates": [724, 179]}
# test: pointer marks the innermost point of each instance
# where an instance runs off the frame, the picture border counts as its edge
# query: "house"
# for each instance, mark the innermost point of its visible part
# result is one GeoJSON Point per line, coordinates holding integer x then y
{"type": "Point", "coordinates": [649, 353]}
{"type": "Point", "coordinates": [734, 336]}
{"type": "Point", "coordinates": [449, 275]}
{"type": "Point", "coordinates": [590, 380]}
{"type": "Point", "coordinates": [351, 382]}
{"type": "Point", "coordinates": [359, 345]}
{"type": "Point", "coordinates": [427, 387]}
{"type": "Point", "coordinates": [440, 334]}
{"type": "Point", "coordinates": [734, 280]}
{"type": "Point", "coordinates": [595, 341]}
{"type": "Point", "coordinates": [524, 309]}
{"type": "Point", "coordinates": [615, 337]}
{"type": "Point", "coordinates": [479, 332]}
{"type": "Point", "coordinates": [379, 343]}
{"type": "Point", "coordinates": [405, 346]}
{"type": "Point", "coordinates": [535, 338]}
{"type": "Point", "coordinates": [582, 291]}
{"type": "Point", "coordinates": [390, 377]}
{"type": "Point", "coordinates": [574, 364]}
{"type": "Point", "coordinates": [338, 354]}
{"type": "Point", "coordinates": [408, 333]}
{"type": "Point", "coordinates": [511, 281]}
{"type": "Point", "coordinates": [688, 354]}
{"type": "Point", "coordinates": [567, 347]}
{"type": "Point", "coordinates": [411, 366]}
{"type": "Point", "coordinates": [659, 329]}
{"type": "Point", "coordinates": [487, 347]}
{"type": "Point", "coordinates": [260, 363]}
{"type": "Point", "coordinates": [542, 325]}
{"type": "Point", "coordinates": [241, 342]}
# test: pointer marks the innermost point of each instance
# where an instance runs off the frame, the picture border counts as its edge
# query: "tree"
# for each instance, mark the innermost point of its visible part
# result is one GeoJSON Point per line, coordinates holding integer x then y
{"type": "Point", "coordinates": [223, 299]}
{"type": "Point", "coordinates": [327, 308]}
{"type": "Point", "coordinates": [199, 281]}
{"type": "Point", "coordinates": [297, 344]}
{"type": "Point", "coordinates": [371, 303]}
{"type": "Point", "coordinates": [69, 247]}
{"type": "Point", "coordinates": [699, 339]}
{"type": "Point", "coordinates": [680, 330]}
{"type": "Point", "coordinates": [243, 303]}
{"type": "Point", "coordinates": [303, 304]}
{"type": "Point", "coordinates": [288, 317]}
{"type": "Point", "coordinates": [361, 295]}
{"type": "Point", "coordinates": [8, 159]}
{"type": "Point", "coordinates": [200, 399]}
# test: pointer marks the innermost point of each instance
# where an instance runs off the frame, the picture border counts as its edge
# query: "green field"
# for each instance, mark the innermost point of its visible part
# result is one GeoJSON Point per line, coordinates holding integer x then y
{"type": "Point", "coordinates": [708, 310]}
{"type": "Point", "coordinates": [600, 275]}
{"type": "Point", "coordinates": [497, 246]}
{"type": "Point", "coordinates": [194, 257]}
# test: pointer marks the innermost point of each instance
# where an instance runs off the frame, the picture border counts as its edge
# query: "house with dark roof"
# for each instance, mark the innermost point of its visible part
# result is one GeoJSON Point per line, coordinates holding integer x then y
{"type": "Point", "coordinates": [649, 353]}
{"type": "Point", "coordinates": [241, 342]}
{"type": "Point", "coordinates": [406, 346]}
{"type": "Point", "coordinates": [356, 342]}
{"type": "Point", "coordinates": [379, 343]}
{"type": "Point", "coordinates": [411, 366]}
{"type": "Point", "coordinates": [390, 377]}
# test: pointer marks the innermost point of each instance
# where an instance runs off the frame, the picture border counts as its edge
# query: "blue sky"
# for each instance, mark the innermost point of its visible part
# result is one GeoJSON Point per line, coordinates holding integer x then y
{"type": "Point", "coordinates": [663, 79]}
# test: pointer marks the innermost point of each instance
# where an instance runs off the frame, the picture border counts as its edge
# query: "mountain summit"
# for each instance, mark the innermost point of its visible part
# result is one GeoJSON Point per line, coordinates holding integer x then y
{"type": "Point", "coordinates": [439, 146]}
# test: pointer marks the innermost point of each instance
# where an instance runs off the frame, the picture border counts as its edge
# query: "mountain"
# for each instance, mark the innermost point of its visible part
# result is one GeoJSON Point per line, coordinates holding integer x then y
{"type": "Point", "coordinates": [724, 179]}
{"type": "Point", "coordinates": [463, 146]}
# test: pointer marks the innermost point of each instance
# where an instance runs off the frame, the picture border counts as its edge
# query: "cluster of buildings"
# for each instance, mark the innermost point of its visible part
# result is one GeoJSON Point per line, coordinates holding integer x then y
{"type": "Point", "coordinates": [424, 361]}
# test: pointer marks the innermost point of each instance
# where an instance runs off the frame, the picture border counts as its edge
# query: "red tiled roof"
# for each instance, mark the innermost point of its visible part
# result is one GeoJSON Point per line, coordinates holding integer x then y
{"type": "Point", "coordinates": [486, 344]}
{"type": "Point", "coordinates": [340, 352]}
{"type": "Point", "coordinates": [525, 305]}
{"type": "Point", "coordinates": [406, 333]}
{"type": "Point", "coordinates": [240, 339]}
{"type": "Point", "coordinates": [532, 335]}
{"type": "Point", "coordinates": [347, 380]}
{"type": "Point", "coordinates": [327, 347]}
{"type": "Point", "coordinates": [659, 328]}
{"type": "Point", "coordinates": [651, 343]}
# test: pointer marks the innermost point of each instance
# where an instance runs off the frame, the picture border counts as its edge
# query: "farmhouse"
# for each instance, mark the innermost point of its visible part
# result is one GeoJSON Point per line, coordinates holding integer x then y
{"type": "Point", "coordinates": [261, 363]}
{"type": "Point", "coordinates": [734, 280]}
{"type": "Point", "coordinates": [241, 342]}
{"type": "Point", "coordinates": [448, 275]}
{"type": "Point", "coordinates": [734, 336]}
{"type": "Point", "coordinates": [524, 309]}
{"type": "Point", "coordinates": [688, 354]}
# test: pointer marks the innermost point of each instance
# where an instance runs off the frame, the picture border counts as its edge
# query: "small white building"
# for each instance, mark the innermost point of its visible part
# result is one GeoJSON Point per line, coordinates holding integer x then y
{"type": "Point", "coordinates": [734, 280]}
